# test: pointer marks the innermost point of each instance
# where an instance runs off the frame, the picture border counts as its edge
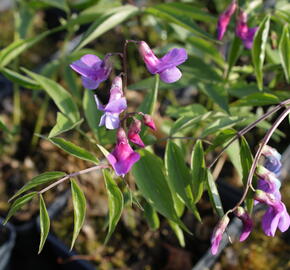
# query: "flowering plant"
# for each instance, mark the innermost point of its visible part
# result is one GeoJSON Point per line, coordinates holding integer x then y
{"type": "Point", "coordinates": [203, 98]}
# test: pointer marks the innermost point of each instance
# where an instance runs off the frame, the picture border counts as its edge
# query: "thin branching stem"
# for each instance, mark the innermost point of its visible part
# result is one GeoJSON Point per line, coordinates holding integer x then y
{"type": "Point", "coordinates": [98, 167]}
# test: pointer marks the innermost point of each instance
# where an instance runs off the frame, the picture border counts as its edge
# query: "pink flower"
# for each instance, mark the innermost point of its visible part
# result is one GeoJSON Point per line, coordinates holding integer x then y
{"type": "Point", "coordinates": [247, 223]}
{"type": "Point", "coordinates": [123, 156]}
{"type": "Point", "coordinates": [245, 33]}
{"type": "Point", "coordinates": [224, 19]}
{"type": "Point", "coordinates": [148, 121]}
{"type": "Point", "coordinates": [165, 66]}
{"type": "Point", "coordinates": [218, 234]}
{"type": "Point", "coordinates": [133, 133]}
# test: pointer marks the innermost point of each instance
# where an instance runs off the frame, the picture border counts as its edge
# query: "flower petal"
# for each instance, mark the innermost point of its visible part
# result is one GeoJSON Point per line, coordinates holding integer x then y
{"type": "Point", "coordinates": [170, 75]}
{"type": "Point", "coordinates": [270, 221]}
{"type": "Point", "coordinates": [89, 83]}
{"type": "Point", "coordinates": [90, 60]}
{"type": "Point", "coordinates": [124, 166]}
{"type": "Point", "coordinates": [116, 106]}
{"type": "Point", "coordinates": [173, 58]}
{"type": "Point", "coordinates": [100, 106]}
{"type": "Point", "coordinates": [112, 121]}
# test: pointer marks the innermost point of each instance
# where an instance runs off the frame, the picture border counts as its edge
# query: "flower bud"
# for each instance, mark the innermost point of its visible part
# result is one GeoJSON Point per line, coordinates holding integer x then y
{"type": "Point", "coordinates": [121, 136]}
{"type": "Point", "coordinates": [218, 234]}
{"type": "Point", "coordinates": [148, 121]}
{"type": "Point", "coordinates": [247, 223]}
{"type": "Point", "coordinates": [272, 159]}
{"type": "Point", "coordinates": [133, 133]}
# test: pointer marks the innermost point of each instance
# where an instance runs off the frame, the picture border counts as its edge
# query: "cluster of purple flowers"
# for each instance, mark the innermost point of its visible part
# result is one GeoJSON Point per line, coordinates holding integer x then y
{"type": "Point", "coordinates": [93, 71]}
{"type": "Point", "coordinates": [245, 33]}
{"type": "Point", "coordinates": [267, 192]}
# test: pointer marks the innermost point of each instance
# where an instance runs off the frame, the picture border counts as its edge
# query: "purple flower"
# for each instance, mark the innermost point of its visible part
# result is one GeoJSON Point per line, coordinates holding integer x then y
{"type": "Point", "coordinates": [218, 234]}
{"type": "Point", "coordinates": [245, 33]}
{"type": "Point", "coordinates": [165, 66]}
{"type": "Point", "coordinates": [247, 223]}
{"type": "Point", "coordinates": [116, 105]}
{"type": "Point", "coordinates": [267, 182]}
{"type": "Point", "coordinates": [93, 70]}
{"type": "Point", "coordinates": [224, 19]}
{"type": "Point", "coordinates": [276, 215]}
{"type": "Point", "coordinates": [133, 133]}
{"type": "Point", "coordinates": [123, 156]}
{"type": "Point", "coordinates": [272, 159]}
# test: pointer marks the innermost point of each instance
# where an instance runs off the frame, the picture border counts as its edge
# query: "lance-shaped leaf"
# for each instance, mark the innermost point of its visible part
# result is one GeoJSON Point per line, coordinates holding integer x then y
{"type": "Point", "coordinates": [153, 186]}
{"type": "Point", "coordinates": [37, 181]}
{"type": "Point", "coordinates": [234, 54]}
{"type": "Point", "coordinates": [214, 195]}
{"type": "Point", "coordinates": [62, 125]}
{"type": "Point", "coordinates": [79, 204]}
{"type": "Point", "coordinates": [17, 204]}
{"type": "Point", "coordinates": [116, 203]}
{"type": "Point", "coordinates": [284, 51]}
{"type": "Point", "coordinates": [44, 223]}
{"type": "Point", "coordinates": [74, 150]}
{"type": "Point", "coordinates": [19, 79]}
{"type": "Point", "coordinates": [199, 173]}
{"type": "Point", "coordinates": [107, 21]}
{"type": "Point", "coordinates": [178, 232]}
{"type": "Point", "coordinates": [259, 49]}
{"type": "Point", "coordinates": [179, 177]}
{"type": "Point", "coordinates": [59, 95]}
{"type": "Point", "coordinates": [246, 161]}
{"type": "Point", "coordinates": [151, 216]}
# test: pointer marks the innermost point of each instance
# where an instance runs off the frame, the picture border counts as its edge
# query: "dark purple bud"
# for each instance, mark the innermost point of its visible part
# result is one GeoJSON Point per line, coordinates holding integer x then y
{"type": "Point", "coordinates": [272, 159]}
{"type": "Point", "coordinates": [247, 223]}
{"type": "Point", "coordinates": [133, 133]}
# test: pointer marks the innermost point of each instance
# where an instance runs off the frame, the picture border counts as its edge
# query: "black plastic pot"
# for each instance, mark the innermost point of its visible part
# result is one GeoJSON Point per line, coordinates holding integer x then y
{"type": "Point", "coordinates": [7, 237]}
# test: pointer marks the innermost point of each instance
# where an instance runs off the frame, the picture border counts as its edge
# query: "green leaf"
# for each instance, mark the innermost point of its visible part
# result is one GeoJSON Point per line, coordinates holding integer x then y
{"type": "Point", "coordinates": [17, 204]}
{"type": "Point", "coordinates": [151, 216]}
{"type": "Point", "coordinates": [149, 102]}
{"type": "Point", "coordinates": [37, 181]}
{"type": "Point", "coordinates": [221, 139]}
{"type": "Point", "coordinates": [246, 161]}
{"type": "Point", "coordinates": [179, 177]}
{"type": "Point", "coordinates": [19, 46]}
{"type": "Point", "coordinates": [174, 15]}
{"type": "Point", "coordinates": [178, 232]}
{"type": "Point", "coordinates": [44, 223]}
{"type": "Point", "coordinates": [107, 21]}
{"type": "Point", "coordinates": [60, 96]}
{"type": "Point", "coordinates": [214, 195]}
{"type": "Point", "coordinates": [79, 204]}
{"type": "Point", "coordinates": [61, 4]}
{"type": "Point", "coordinates": [232, 151]}
{"type": "Point", "coordinates": [74, 150]}
{"type": "Point", "coordinates": [62, 125]}
{"type": "Point", "coordinates": [4, 127]}
{"type": "Point", "coordinates": [199, 173]}
{"type": "Point", "coordinates": [259, 48]}
{"type": "Point", "coordinates": [217, 94]}
{"type": "Point", "coordinates": [284, 51]}
{"type": "Point", "coordinates": [92, 114]}
{"type": "Point", "coordinates": [153, 186]}
{"type": "Point", "coordinates": [234, 54]}
{"type": "Point", "coordinates": [186, 122]}
{"type": "Point", "coordinates": [257, 99]}
{"type": "Point", "coordinates": [116, 203]}
{"type": "Point", "coordinates": [19, 79]}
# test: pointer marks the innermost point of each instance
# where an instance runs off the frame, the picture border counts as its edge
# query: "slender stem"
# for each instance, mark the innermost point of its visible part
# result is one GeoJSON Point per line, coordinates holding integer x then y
{"type": "Point", "coordinates": [258, 155]}
{"type": "Point", "coordinates": [98, 167]}
{"type": "Point", "coordinates": [249, 127]}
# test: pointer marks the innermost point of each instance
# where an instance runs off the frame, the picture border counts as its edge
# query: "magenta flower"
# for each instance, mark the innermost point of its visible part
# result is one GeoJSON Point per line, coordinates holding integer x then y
{"type": "Point", "coordinates": [165, 66]}
{"type": "Point", "coordinates": [276, 215]}
{"type": "Point", "coordinates": [123, 156]}
{"type": "Point", "coordinates": [245, 33]}
{"type": "Point", "coordinates": [218, 234]}
{"type": "Point", "coordinates": [247, 223]}
{"type": "Point", "coordinates": [133, 133]}
{"type": "Point", "coordinates": [93, 70]}
{"type": "Point", "coordinates": [148, 121]}
{"type": "Point", "coordinates": [224, 19]}
{"type": "Point", "coordinates": [116, 105]}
